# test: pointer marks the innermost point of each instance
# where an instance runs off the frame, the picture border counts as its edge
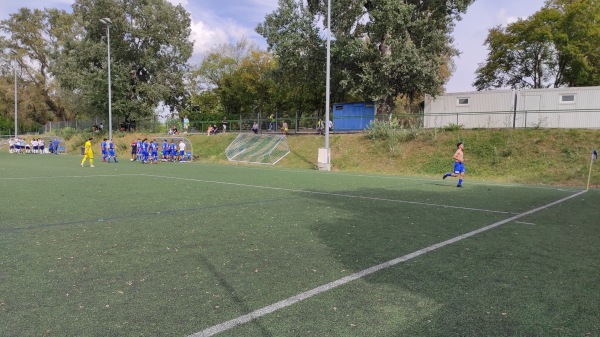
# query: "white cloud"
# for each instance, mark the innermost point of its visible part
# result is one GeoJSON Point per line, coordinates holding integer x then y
{"type": "Point", "coordinates": [503, 18]}
{"type": "Point", "coordinates": [206, 37]}
{"type": "Point", "coordinates": [179, 2]}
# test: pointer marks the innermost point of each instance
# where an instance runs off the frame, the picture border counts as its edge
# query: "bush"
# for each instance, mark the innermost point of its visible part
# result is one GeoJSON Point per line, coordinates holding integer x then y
{"type": "Point", "coordinates": [66, 133]}
{"type": "Point", "coordinates": [392, 130]}
{"type": "Point", "coordinates": [453, 127]}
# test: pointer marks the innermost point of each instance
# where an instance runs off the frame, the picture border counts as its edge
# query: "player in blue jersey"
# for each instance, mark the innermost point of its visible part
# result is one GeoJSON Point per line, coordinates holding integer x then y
{"type": "Point", "coordinates": [139, 149]}
{"type": "Point", "coordinates": [145, 151]}
{"type": "Point", "coordinates": [165, 150]}
{"type": "Point", "coordinates": [111, 151]}
{"type": "Point", "coordinates": [154, 152]}
{"type": "Point", "coordinates": [173, 148]}
{"type": "Point", "coordinates": [103, 149]}
{"type": "Point", "coordinates": [459, 165]}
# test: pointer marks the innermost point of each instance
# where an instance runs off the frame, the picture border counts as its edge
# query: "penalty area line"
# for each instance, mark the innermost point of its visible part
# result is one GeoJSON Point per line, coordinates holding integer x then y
{"type": "Point", "coordinates": [215, 329]}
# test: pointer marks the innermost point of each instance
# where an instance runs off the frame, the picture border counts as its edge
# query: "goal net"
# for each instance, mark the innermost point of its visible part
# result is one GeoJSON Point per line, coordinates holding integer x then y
{"type": "Point", "coordinates": [258, 149]}
{"type": "Point", "coordinates": [50, 144]}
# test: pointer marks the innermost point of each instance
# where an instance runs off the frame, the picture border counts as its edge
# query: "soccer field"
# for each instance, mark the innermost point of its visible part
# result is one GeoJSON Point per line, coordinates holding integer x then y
{"type": "Point", "coordinates": [189, 249]}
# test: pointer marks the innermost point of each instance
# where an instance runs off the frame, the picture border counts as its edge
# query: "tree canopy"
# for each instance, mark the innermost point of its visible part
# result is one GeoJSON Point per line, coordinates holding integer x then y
{"type": "Point", "coordinates": [62, 59]}
{"type": "Point", "coordinates": [380, 49]}
{"type": "Point", "coordinates": [555, 47]}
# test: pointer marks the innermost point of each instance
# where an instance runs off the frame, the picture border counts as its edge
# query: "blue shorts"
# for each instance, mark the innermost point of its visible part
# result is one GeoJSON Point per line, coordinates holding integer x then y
{"type": "Point", "coordinates": [459, 167]}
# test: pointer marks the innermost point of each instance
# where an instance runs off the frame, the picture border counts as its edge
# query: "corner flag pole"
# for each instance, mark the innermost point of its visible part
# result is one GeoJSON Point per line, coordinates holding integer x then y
{"type": "Point", "coordinates": [594, 157]}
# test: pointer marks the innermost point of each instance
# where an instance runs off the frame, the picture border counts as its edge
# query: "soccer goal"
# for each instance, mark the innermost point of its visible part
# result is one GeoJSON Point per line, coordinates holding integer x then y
{"type": "Point", "coordinates": [258, 149]}
{"type": "Point", "coordinates": [189, 149]}
{"type": "Point", "coordinates": [50, 146]}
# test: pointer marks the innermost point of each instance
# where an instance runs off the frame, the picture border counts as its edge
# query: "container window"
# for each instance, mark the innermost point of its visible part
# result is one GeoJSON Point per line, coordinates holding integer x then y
{"type": "Point", "coordinates": [462, 101]}
{"type": "Point", "coordinates": [567, 98]}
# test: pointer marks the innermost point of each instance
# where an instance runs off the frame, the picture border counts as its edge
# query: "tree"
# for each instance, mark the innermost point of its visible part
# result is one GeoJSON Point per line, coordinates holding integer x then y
{"type": "Point", "coordinates": [293, 36]}
{"type": "Point", "coordinates": [150, 46]}
{"type": "Point", "coordinates": [576, 40]}
{"type": "Point", "coordinates": [380, 49]}
{"type": "Point", "coordinates": [240, 75]}
{"type": "Point", "coordinates": [557, 46]}
{"type": "Point", "coordinates": [34, 36]}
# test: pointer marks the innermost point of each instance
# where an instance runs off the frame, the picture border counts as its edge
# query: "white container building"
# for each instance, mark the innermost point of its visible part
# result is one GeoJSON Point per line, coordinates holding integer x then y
{"type": "Point", "coordinates": [477, 109]}
{"type": "Point", "coordinates": [577, 107]}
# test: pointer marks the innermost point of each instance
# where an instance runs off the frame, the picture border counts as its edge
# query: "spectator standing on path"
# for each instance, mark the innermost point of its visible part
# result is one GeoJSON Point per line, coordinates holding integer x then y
{"type": "Point", "coordinates": [88, 153]}
{"type": "Point", "coordinates": [186, 124]}
{"type": "Point", "coordinates": [271, 122]}
{"type": "Point", "coordinates": [459, 165]}
{"type": "Point", "coordinates": [224, 122]}
{"type": "Point", "coordinates": [320, 126]}
{"type": "Point", "coordinates": [330, 125]}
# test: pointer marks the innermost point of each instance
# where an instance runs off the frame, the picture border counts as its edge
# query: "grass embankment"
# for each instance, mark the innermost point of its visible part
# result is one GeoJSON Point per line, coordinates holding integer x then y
{"type": "Point", "coordinates": [534, 156]}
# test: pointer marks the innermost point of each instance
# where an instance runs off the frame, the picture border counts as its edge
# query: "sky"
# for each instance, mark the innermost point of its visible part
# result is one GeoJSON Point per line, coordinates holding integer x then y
{"type": "Point", "coordinates": [216, 22]}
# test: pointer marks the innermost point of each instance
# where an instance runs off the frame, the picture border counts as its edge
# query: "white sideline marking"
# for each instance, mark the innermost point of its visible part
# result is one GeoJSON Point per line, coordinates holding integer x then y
{"type": "Point", "coordinates": [328, 193]}
{"type": "Point", "coordinates": [525, 223]}
{"type": "Point", "coordinates": [215, 329]}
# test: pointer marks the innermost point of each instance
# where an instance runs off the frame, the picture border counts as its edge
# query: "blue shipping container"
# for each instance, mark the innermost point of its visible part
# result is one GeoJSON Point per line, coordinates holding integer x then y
{"type": "Point", "coordinates": [353, 116]}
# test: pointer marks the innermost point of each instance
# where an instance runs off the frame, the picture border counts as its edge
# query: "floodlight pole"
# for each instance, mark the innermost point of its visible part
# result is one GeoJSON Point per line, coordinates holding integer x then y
{"type": "Point", "coordinates": [16, 96]}
{"type": "Point", "coordinates": [324, 155]}
{"type": "Point", "coordinates": [108, 23]}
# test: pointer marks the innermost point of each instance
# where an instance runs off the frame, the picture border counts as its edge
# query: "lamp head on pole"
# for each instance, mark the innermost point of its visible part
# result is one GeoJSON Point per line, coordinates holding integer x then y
{"type": "Point", "coordinates": [106, 21]}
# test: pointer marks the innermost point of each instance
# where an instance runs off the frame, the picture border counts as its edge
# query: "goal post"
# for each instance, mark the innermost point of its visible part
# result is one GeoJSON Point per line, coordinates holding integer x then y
{"type": "Point", "coordinates": [258, 149]}
{"type": "Point", "coordinates": [50, 144]}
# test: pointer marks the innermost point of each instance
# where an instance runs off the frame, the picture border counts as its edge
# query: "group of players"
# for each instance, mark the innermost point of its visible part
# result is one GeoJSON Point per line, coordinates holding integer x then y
{"type": "Point", "coordinates": [107, 147]}
{"type": "Point", "coordinates": [146, 151]}
{"type": "Point", "coordinates": [19, 145]}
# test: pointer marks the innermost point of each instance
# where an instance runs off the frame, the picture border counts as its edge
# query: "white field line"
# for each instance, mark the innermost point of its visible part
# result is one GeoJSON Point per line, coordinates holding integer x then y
{"type": "Point", "coordinates": [92, 176]}
{"type": "Point", "coordinates": [382, 176]}
{"type": "Point", "coordinates": [525, 223]}
{"type": "Point", "coordinates": [327, 193]}
{"type": "Point", "coordinates": [269, 188]}
{"type": "Point", "coordinates": [215, 329]}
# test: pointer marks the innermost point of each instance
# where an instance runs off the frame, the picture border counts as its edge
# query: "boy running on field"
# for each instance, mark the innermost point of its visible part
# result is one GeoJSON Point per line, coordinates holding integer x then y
{"type": "Point", "coordinates": [459, 164]}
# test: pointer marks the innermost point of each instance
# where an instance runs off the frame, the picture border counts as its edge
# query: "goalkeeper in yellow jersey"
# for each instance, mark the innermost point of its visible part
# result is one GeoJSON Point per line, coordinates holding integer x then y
{"type": "Point", "coordinates": [88, 153]}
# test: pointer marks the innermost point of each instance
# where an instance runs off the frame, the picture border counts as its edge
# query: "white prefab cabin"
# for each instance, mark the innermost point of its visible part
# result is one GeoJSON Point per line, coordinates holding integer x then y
{"type": "Point", "coordinates": [547, 108]}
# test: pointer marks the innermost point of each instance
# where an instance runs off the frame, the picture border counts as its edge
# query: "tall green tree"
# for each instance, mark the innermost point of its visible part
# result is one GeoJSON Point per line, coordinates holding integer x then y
{"type": "Point", "coordinates": [380, 49]}
{"type": "Point", "coordinates": [240, 75]}
{"type": "Point", "coordinates": [150, 47]}
{"type": "Point", "coordinates": [32, 38]}
{"type": "Point", "coordinates": [294, 37]}
{"type": "Point", "coordinates": [555, 47]}
{"type": "Point", "coordinates": [575, 38]}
